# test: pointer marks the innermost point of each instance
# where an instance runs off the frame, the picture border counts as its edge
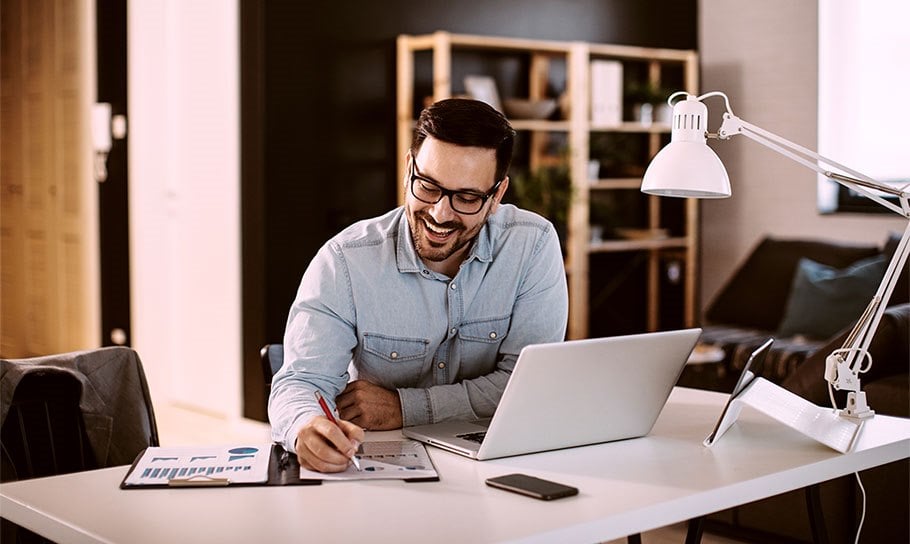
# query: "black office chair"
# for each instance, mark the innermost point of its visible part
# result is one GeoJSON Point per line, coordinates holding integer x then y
{"type": "Point", "coordinates": [43, 435]}
{"type": "Point", "coordinates": [272, 357]}
{"type": "Point", "coordinates": [71, 404]}
{"type": "Point", "coordinates": [45, 431]}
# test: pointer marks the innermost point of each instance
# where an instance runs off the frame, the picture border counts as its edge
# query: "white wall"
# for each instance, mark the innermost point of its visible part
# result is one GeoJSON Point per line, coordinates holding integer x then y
{"type": "Point", "coordinates": [184, 200]}
{"type": "Point", "coordinates": [764, 55]}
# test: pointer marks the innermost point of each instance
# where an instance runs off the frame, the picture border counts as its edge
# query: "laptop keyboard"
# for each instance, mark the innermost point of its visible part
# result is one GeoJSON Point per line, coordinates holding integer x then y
{"type": "Point", "coordinates": [473, 437]}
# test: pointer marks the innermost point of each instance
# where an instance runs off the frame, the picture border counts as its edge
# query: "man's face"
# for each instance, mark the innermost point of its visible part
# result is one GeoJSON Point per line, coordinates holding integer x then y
{"type": "Point", "coordinates": [442, 235]}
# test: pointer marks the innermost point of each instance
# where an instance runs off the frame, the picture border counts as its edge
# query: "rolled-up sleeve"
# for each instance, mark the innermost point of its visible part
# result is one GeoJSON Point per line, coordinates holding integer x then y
{"type": "Point", "coordinates": [318, 342]}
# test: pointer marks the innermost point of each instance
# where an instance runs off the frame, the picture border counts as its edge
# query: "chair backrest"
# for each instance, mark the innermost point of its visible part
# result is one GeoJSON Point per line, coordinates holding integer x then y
{"type": "Point", "coordinates": [74, 411]}
{"type": "Point", "coordinates": [44, 433]}
{"type": "Point", "coordinates": [272, 357]}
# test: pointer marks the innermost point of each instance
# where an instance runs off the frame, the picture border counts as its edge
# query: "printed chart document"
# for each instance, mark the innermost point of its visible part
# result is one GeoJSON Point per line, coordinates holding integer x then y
{"type": "Point", "coordinates": [232, 464]}
{"type": "Point", "coordinates": [384, 460]}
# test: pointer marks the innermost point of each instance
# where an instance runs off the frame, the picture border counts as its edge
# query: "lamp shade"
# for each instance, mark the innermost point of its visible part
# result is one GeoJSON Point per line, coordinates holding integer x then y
{"type": "Point", "coordinates": [687, 167]}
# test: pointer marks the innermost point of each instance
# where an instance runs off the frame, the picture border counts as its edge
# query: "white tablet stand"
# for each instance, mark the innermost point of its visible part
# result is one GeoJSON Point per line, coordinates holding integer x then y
{"type": "Point", "coordinates": [821, 424]}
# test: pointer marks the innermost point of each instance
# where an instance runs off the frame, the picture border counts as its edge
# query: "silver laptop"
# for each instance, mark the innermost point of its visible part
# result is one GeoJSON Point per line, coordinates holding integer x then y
{"type": "Point", "coordinates": [573, 393]}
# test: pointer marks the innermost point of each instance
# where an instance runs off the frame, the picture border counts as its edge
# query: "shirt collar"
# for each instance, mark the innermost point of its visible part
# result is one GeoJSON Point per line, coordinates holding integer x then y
{"type": "Point", "coordinates": [405, 254]}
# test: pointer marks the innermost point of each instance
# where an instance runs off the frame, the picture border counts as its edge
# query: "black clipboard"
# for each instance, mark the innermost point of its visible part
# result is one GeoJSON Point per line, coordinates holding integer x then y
{"type": "Point", "coordinates": [283, 470]}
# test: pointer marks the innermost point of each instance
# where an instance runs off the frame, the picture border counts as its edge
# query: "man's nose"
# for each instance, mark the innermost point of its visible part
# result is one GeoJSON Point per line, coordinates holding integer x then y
{"type": "Point", "coordinates": [442, 211]}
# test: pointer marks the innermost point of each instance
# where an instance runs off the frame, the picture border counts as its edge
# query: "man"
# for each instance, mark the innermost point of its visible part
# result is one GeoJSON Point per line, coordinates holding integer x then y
{"type": "Point", "coordinates": [418, 316]}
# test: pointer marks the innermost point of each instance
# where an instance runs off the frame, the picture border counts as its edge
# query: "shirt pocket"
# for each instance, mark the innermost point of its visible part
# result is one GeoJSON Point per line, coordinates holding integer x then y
{"type": "Point", "coordinates": [392, 361]}
{"type": "Point", "coordinates": [486, 331]}
{"type": "Point", "coordinates": [395, 349]}
{"type": "Point", "coordinates": [479, 345]}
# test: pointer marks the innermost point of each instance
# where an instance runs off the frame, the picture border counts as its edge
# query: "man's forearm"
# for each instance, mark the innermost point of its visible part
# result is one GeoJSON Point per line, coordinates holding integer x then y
{"type": "Point", "coordinates": [474, 398]}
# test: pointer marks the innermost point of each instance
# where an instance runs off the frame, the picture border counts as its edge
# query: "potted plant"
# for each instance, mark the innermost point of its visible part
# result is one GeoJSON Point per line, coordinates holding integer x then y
{"type": "Point", "coordinates": [649, 103]}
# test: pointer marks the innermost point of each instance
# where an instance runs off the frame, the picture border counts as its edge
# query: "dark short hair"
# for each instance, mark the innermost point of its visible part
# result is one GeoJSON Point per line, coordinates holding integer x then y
{"type": "Point", "coordinates": [469, 123]}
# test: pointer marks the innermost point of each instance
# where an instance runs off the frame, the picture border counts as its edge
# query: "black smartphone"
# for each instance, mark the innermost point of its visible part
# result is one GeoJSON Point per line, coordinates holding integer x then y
{"type": "Point", "coordinates": [532, 487]}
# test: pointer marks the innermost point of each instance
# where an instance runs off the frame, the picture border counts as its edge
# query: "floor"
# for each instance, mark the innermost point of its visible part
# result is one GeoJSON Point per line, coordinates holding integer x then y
{"type": "Point", "coordinates": [178, 425]}
{"type": "Point", "coordinates": [182, 426]}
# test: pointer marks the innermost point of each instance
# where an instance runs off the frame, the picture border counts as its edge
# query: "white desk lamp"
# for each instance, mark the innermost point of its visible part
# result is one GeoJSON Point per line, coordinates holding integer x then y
{"type": "Point", "coordinates": [687, 167]}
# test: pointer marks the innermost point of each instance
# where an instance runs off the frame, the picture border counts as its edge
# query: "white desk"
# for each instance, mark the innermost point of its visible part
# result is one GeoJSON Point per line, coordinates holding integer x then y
{"type": "Point", "coordinates": [625, 487]}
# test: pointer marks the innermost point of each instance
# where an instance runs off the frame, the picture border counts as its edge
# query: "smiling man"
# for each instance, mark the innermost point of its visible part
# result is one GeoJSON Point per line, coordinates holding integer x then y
{"type": "Point", "coordinates": [418, 316]}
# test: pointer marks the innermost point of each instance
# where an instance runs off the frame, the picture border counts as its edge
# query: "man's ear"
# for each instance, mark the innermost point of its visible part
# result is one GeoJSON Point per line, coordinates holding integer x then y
{"type": "Point", "coordinates": [407, 162]}
{"type": "Point", "coordinates": [501, 192]}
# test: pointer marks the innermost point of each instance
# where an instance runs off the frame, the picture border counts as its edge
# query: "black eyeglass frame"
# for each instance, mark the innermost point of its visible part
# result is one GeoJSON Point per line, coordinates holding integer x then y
{"type": "Point", "coordinates": [443, 192]}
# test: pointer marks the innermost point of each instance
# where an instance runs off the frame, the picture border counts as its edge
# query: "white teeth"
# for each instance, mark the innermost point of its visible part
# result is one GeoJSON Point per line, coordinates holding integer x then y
{"type": "Point", "coordinates": [437, 230]}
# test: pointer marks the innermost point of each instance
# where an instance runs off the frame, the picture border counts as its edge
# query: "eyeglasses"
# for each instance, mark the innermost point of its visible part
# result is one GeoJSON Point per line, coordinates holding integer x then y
{"type": "Point", "coordinates": [463, 202]}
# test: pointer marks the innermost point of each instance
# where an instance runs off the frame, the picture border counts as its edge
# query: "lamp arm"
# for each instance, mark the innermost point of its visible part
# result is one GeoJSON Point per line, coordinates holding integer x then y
{"type": "Point", "coordinates": [857, 342]}
{"type": "Point", "coordinates": [861, 183]}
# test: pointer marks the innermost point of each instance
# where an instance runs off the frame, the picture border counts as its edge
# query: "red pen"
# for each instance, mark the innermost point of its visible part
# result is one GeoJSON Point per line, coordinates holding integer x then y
{"type": "Point", "coordinates": [328, 413]}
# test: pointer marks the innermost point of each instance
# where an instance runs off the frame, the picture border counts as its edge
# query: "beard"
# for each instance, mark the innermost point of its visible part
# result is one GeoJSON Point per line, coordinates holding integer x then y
{"type": "Point", "coordinates": [436, 242]}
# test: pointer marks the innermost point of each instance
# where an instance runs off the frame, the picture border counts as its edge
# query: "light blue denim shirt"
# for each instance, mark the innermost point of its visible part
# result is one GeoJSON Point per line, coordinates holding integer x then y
{"type": "Point", "coordinates": [368, 308]}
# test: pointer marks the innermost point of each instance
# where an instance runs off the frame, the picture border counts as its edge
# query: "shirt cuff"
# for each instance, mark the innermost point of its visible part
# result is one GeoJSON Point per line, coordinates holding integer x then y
{"type": "Point", "coordinates": [290, 439]}
{"type": "Point", "coordinates": [416, 408]}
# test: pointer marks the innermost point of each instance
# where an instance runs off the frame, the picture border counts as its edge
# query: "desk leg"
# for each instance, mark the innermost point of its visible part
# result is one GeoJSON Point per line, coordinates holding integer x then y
{"type": "Point", "coordinates": [696, 527]}
{"type": "Point", "coordinates": [634, 539]}
{"type": "Point", "coordinates": [816, 518]}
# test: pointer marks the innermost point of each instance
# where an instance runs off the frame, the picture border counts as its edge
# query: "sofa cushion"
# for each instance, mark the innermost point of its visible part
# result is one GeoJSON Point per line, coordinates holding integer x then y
{"type": "Point", "coordinates": [771, 266]}
{"type": "Point", "coordinates": [824, 299]}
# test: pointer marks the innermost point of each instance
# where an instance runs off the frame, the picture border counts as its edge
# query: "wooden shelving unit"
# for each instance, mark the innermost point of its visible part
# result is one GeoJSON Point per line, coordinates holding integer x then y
{"type": "Point", "coordinates": [578, 130]}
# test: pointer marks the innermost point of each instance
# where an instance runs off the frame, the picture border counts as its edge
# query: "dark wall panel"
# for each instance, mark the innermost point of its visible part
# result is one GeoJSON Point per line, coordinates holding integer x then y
{"type": "Point", "coordinates": [113, 194]}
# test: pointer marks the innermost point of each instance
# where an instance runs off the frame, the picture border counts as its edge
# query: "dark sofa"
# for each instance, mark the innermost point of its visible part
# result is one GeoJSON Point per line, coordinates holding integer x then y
{"type": "Point", "coordinates": [752, 307]}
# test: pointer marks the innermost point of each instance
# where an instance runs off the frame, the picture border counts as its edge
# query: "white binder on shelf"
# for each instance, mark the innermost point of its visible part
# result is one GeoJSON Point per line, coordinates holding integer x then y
{"type": "Point", "coordinates": [606, 93]}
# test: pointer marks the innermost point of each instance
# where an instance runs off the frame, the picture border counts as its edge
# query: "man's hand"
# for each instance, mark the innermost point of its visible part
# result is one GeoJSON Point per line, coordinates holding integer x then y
{"type": "Point", "coordinates": [370, 406]}
{"type": "Point", "coordinates": [326, 447]}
